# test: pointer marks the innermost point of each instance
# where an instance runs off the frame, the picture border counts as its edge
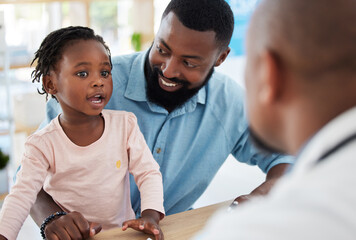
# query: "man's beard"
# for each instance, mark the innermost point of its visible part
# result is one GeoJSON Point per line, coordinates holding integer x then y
{"type": "Point", "coordinates": [262, 146]}
{"type": "Point", "coordinates": [169, 100]}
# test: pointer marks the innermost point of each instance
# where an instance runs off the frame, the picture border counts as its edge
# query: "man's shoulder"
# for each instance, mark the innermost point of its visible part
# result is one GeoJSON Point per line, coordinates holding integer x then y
{"type": "Point", "coordinates": [125, 59]}
{"type": "Point", "coordinates": [225, 104]}
{"type": "Point", "coordinates": [126, 66]}
{"type": "Point", "coordinates": [222, 86]}
{"type": "Point", "coordinates": [225, 100]}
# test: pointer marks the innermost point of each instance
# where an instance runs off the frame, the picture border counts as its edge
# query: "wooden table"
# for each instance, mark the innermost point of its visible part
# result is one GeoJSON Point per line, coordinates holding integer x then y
{"type": "Point", "coordinates": [180, 226]}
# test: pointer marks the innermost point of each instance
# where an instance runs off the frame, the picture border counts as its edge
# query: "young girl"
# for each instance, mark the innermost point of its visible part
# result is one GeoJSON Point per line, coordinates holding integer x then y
{"type": "Point", "coordinates": [84, 156]}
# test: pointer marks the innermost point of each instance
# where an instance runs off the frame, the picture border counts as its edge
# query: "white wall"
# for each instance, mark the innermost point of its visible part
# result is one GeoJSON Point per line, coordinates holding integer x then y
{"type": "Point", "coordinates": [234, 68]}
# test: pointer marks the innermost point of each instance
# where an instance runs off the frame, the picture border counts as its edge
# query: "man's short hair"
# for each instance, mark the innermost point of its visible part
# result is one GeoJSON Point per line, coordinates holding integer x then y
{"type": "Point", "coordinates": [205, 15]}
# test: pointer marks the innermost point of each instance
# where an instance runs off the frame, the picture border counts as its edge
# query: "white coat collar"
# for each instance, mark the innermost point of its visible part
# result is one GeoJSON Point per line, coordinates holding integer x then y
{"type": "Point", "coordinates": [326, 138]}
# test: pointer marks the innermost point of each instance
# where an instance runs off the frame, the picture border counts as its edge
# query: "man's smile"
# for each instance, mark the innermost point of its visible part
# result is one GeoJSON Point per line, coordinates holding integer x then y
{"type": "Point", "coordinates": [168, 85]}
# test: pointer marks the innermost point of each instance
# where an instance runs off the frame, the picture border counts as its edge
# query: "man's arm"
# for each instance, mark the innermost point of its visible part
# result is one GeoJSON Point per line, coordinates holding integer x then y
{"type": "Point", "coordinates": [43, 207]}
{"type": "Point", "coordinates": [72, 225]}
{"type": "Point", "coordinates": [271, 178]}
{"type": "Point", "coordinates": [274, 165]}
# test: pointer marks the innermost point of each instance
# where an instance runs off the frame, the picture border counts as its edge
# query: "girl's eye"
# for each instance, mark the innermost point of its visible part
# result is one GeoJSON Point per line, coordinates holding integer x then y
{"type": "Point", "coordinates": [105, 73]}
{"type": "Point", "coordinates": [82, 74]}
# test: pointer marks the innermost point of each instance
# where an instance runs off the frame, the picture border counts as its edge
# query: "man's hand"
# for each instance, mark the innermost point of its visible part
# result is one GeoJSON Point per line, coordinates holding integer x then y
{"type": "Point", "coordinates": [71, 226]}
{"type": "Point", "coordinates": [271, 178]}
{"type": "Point", "coordinates": [148, 223]}
{"type": "Point", "coordinates": [67, 227]}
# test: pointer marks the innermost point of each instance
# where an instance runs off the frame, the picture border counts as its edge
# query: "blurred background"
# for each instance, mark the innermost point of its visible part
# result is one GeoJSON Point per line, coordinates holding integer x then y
{"type": "Point", "coordinates": [126, 26]}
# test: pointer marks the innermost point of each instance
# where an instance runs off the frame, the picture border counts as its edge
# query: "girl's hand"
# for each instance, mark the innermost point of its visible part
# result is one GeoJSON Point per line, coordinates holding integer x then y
{"type": "Point", "coordinates": [148, 223]}
{"type": "Point", "coordinates": [71, 226]}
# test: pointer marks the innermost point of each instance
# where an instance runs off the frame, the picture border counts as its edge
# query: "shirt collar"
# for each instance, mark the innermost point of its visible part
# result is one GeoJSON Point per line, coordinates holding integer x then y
{"type": "Point", "coordinates": [136, 86]}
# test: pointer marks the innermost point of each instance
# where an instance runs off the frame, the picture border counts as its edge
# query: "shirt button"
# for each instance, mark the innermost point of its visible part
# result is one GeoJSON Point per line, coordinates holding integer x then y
{"type": "Point", "coordinates": [158, 150]}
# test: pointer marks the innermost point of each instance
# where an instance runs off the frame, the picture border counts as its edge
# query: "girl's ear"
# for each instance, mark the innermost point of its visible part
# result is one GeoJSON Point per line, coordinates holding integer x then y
{"type": "Point", "coordinates": [48, 84]}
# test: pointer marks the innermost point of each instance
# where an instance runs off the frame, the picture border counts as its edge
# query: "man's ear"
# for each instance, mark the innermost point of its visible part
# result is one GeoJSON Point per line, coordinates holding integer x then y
{"type": "Point", "coordinates": [48, 84]}
{"type": "Point", "coordinates": [222, 57]}
{"type": "Point", "coordinates": [271, 78]}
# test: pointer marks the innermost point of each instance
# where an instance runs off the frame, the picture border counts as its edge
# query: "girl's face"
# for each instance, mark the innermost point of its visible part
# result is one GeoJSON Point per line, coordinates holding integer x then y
{"type": "Point", "coordinates": [82, 80]}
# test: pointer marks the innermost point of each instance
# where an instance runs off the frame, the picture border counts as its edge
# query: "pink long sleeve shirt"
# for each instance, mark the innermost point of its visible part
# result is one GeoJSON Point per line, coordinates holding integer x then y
{"type": "Point", "coordinates": [93, 180]}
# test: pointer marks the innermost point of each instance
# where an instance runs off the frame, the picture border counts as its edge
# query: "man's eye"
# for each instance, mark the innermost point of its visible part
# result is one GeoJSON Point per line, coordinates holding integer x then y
{"type": "Point", "coordinates": [190, 65]}
{"type": "Point", "coordinates": [82, 74]}
{"type": "Point", "coordinates": [105, 73]}
{"type": "Point", "coordinates": [160, 50]}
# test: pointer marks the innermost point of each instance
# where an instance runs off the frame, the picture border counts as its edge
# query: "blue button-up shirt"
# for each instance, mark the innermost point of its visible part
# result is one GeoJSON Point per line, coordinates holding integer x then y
{"type": "Point", "coordinates": [190, 143]}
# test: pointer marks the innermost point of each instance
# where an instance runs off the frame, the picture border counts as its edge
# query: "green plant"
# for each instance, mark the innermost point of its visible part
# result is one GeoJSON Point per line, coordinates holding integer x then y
{"type": "Point", "coordinates": [136, 41]}
{"type": "Point", "coordinates": [4, 159]}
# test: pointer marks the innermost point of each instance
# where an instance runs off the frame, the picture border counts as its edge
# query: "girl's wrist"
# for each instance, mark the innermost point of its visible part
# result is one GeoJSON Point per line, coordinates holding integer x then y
{"type": "Point", "coordinates": [153, 214]}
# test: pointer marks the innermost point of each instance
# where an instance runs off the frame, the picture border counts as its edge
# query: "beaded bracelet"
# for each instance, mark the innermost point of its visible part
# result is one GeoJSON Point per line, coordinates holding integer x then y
{"type": "Point", "coordinates": [48, 220]}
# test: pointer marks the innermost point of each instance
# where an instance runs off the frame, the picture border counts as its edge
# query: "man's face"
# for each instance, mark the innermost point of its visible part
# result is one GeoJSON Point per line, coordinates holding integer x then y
{"type": "Point", "coordinates": [181, 61]}
{"type": "Point", "coordinates": [263, 122]}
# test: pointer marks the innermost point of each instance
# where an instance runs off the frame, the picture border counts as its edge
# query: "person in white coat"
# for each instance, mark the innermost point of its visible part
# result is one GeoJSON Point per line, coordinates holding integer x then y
{"type": "Point", "coordinates": [301, 99]}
